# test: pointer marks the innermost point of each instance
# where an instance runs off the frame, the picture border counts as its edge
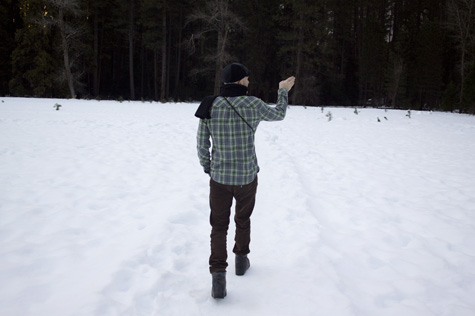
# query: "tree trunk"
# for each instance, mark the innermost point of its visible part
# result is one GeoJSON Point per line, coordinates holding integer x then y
{"type": "Point", "coordinates": [155, 74]}
{"type": "Point", "coordinates": [462, 74]}
{"type": "Point", "coordinates": [178, 58]}
{"type": "Point", "coordinates": [131, 49]}
{"type": "Point", "coordinates": [164, 53]}
{"type": "Point", "coordinates": [169, 54]}
{"type": "Point", "coordinates": [142, 71]}
{"type": "Point", "coordinates": [219, 64]}
{"type": "Point", "coordinates": [67, 67]}
{"type": "Point", "coordinates": [223, 29]}
{"type": "Point", "coordinates": [296, 97]}
{"type": "Point", "coordinates": [220, 58]}
{"type": "Point", "coordinates": [96, 71]}
{"type": "Point", "coordinates": [397, 72]}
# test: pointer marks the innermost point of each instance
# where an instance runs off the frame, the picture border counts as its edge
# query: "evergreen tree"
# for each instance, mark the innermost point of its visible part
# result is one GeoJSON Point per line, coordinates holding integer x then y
{"type": "Point", "coordinates": [154, 31]}
{"type": "Point", "coordinates": [304, 36]}
{"type": "Point", "coordinates": [257, 46]}
{"type": "Point", "coordinates": [468, 102]}
{"type": "Point", "coordinates": [35, 66]}
{"type": "Point", "coordinates": [9, 21]}
{"type": "Point", "coordinates": [342, 83]}
{"type": "Point", "coordinates": [427, 70]}
{"type": "Point", "coordinates": [115, 61]}
{"type": "Point", "coordinates": [61, 14]}
{"type": "Point", "coordinates": [95, 11]}
{"type": "Point", "coordinates": [461, 23]}
{"type": "Point", "coordinates": [216, 16]}
{"type": "Point", "coordinates": [372, 25]}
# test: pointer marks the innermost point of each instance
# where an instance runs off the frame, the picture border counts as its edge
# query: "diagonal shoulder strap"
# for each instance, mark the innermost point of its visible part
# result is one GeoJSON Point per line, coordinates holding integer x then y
{"type": "Point", "coordinates": [242, 118]}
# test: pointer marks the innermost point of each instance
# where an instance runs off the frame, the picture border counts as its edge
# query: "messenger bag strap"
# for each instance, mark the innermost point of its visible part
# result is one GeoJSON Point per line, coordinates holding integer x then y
{"type": "Point", "coordinates": [239, 115]}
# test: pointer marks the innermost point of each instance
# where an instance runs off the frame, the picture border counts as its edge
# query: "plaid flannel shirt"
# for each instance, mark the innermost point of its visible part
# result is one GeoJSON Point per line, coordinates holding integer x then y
{"type": "Point", "coordinates": [233, 158]}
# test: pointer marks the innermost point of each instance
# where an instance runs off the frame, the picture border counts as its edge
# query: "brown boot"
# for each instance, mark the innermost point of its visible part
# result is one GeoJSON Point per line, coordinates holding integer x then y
{"type": "Point", "coordinates": [242, 264]}
{"type": "Point", "coordinates": [219, 285]}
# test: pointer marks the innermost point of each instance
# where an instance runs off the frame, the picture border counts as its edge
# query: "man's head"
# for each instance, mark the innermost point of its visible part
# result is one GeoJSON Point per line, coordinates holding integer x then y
{"type": "Point", "coordinates": [235, 73]}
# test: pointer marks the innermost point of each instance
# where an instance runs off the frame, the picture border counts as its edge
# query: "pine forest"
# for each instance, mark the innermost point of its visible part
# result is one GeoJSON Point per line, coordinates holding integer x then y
{"type": "Point", "coordinates": [405, 54]}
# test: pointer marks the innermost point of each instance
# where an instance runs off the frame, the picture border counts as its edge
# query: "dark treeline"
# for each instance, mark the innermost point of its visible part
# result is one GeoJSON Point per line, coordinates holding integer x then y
{"type": "Point", "coordinates": [397, 53]}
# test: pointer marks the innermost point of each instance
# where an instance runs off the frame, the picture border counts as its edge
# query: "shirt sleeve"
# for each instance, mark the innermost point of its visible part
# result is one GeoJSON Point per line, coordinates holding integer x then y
{"type": "Point", "coordinates": [203, 145]}
{"type": "Point", "coordinates": [276, 113]}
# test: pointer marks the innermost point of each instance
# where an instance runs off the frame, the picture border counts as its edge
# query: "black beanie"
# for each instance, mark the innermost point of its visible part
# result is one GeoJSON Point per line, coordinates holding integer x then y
{"type": "Point", "coordinates": [234, 72]}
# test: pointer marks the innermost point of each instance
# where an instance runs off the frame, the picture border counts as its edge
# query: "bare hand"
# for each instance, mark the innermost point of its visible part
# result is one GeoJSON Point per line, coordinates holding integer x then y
{"type": "Point", "coordinates": [287, 84]}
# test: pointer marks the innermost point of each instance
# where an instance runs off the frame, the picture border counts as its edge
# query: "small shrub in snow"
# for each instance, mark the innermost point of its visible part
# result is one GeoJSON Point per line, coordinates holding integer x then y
{"type": "Point", "coordinates": [408, 114]}
{"type": "Point", "coordinates": [356, 111]}
{"type": "Point", "coordinates": [329, 115]}
{"type": "Point", "coordinates": [57, 106]}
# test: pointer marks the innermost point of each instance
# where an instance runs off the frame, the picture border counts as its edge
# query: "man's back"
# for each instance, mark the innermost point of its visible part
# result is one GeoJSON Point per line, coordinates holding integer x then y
{"type": "Point", "coordinates": [231, 127]}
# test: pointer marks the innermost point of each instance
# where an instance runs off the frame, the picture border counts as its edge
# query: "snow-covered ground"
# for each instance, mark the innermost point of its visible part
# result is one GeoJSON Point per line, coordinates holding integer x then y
{"type": "Point", "coordinates": [104, 211]}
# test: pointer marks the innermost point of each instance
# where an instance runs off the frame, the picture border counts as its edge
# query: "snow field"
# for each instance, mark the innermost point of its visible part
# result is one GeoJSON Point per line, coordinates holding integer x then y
{"type": "Point", "coordinates": [104, 211]}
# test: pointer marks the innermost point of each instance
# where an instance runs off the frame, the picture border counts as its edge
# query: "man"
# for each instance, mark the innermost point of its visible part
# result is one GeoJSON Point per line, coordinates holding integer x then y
{"type": "Point", "coordinates": [231, 120]}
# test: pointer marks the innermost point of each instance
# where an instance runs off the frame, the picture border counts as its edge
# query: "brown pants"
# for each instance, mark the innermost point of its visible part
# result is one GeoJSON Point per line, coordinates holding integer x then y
{"type": "Point", "coordinates": [220, 201]}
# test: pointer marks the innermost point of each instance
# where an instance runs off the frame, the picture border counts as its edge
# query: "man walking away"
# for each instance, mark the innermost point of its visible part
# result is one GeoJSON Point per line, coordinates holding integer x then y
{"type": "Point", "coordinates": [229, 122]}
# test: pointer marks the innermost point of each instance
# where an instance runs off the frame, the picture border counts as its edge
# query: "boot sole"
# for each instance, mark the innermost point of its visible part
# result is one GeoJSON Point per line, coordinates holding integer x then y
{"type": "Point", "coordinates": [241, 272]}
{"type": "Point", "coordinates": [218, 296]}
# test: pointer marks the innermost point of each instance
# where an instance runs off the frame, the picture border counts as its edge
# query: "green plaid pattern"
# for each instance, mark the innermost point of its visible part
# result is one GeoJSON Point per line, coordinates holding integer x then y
{"type": "Point", "coordinates": [233, 158]}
